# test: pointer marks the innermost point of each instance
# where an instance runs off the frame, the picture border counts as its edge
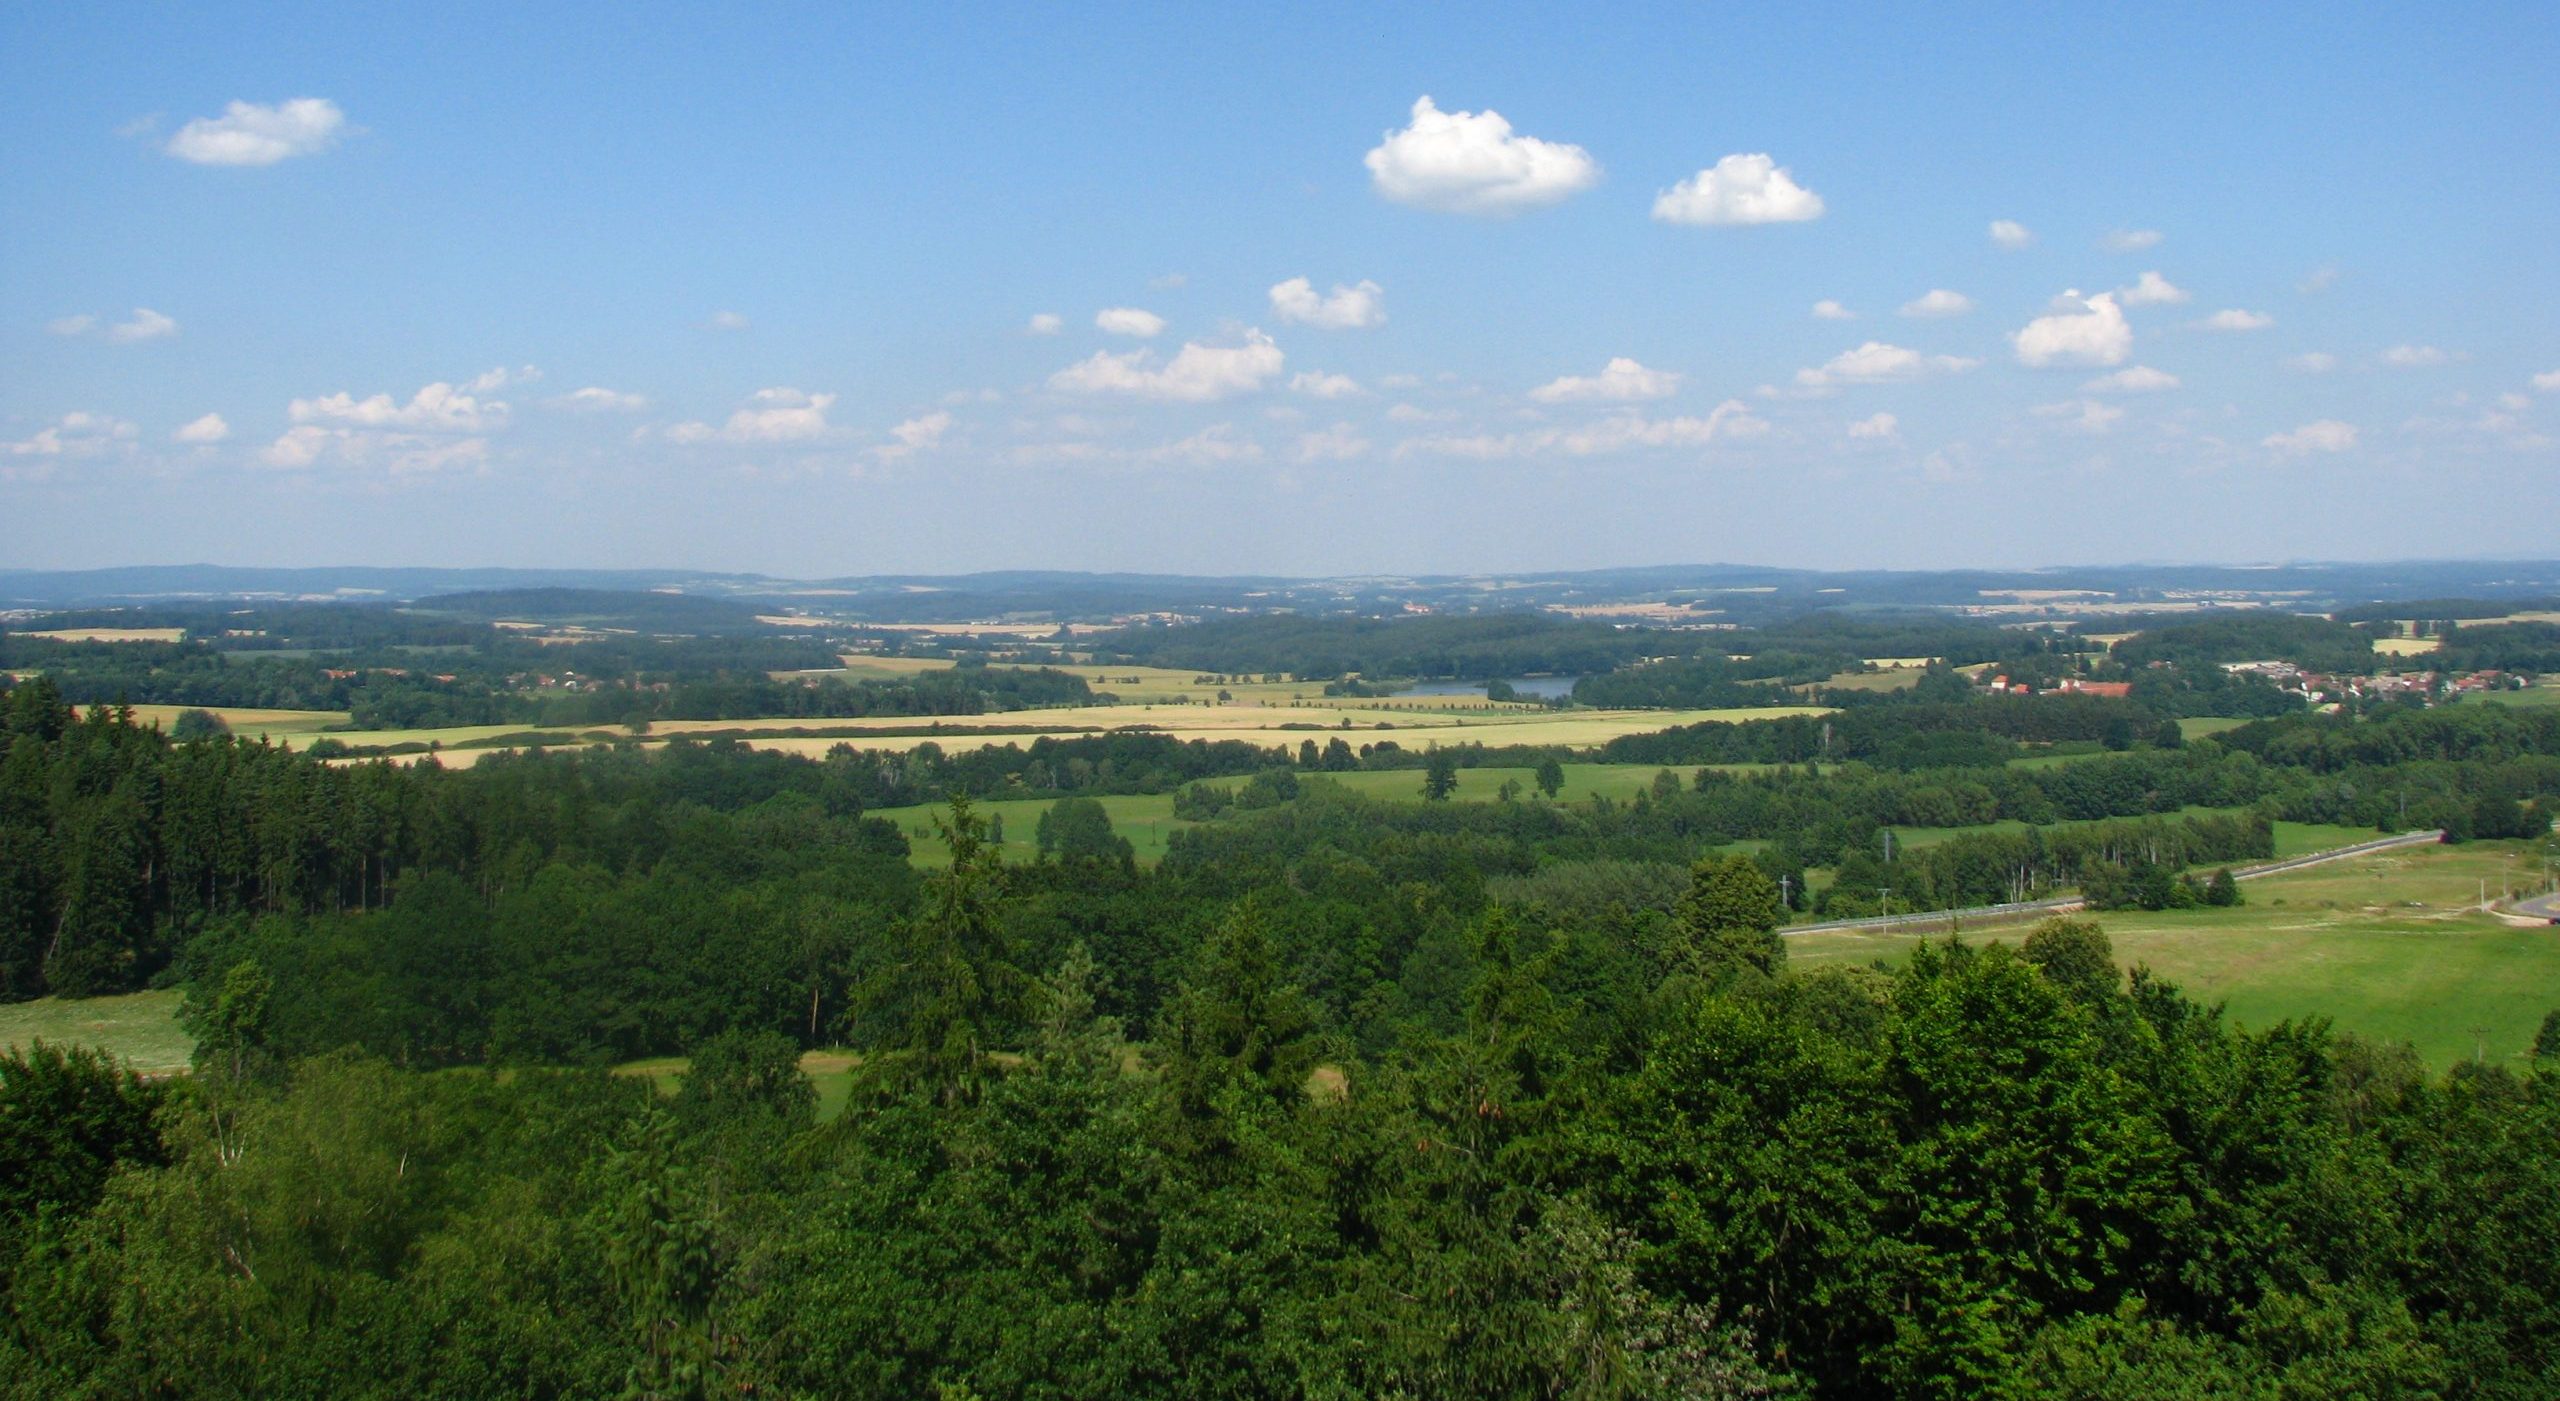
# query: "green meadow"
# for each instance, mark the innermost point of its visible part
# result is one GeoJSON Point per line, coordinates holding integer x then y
{"type": "Point", "coordinates": [2390, 946]}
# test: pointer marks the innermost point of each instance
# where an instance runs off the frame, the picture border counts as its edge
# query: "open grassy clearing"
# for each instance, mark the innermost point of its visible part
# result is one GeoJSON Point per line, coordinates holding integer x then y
{"type": "Point", "coordinates": [1582, 782]}
{"type": "Point", "coordinates": [1901, 679]}
{"type": "Point", "coordinates": [2292, 838]}
{"type": "Point", "coordinates": [107, 634]}
{"type": "Point", "coordinates": [2532, 696]}
{"type": "Point", "coordinates": [2197, 726]}
{"type": "Point", "coordinates": [139, 1028]}
{"type": "Point", "coordinates": [294, 725]}
{"type": "Point", "coordinates": [2052, 760]}
{"type": "Point", "coordinates": [858, 667]}
{"type": "Point", "coordinates": [2390, 946]}
{"type": "Point", "coordinates": [829, 1071]}
{"type": "Point", "coordinates": [2407, 646]}
{"type": "Point", "coordinates": [1146, 819]}
{"type": "Point", "coordinates": [1263, 725]}
{"type": "Point", "coordinates": [1016, 631]}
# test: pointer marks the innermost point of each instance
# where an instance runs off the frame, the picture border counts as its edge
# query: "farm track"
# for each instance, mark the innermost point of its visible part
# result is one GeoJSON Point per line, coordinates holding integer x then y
{"type": "Point", "coordinates": [1949, 920]}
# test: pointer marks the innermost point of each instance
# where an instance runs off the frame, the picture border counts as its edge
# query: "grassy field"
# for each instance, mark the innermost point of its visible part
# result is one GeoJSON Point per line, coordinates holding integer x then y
{"type": "Point", "coordinates": [2051, 760]}
{"type": "Point", "coordinates": [1416, 727]}
{"type": "Point", "coordinates": [831, 1071]}
{"type": "Point", "coordinates": [107, 634]}
{"type": "Point", "coordinates": [1147, 819]}
{"type": "Point", "coordinates": [297, 726]}
{"type": "Point", "coordinates": [2390, 946]}
{"type": "Point", "coordinates": [2196, 726]}
{"type": "Point", "coordinates": [2407, 646]}
{"type": "Point", "coordinates": [140, 1027]}
{"type": "Point", "coordinates": [2535, 696]}
{"type": "Point", "coordinates": [1890, 679]}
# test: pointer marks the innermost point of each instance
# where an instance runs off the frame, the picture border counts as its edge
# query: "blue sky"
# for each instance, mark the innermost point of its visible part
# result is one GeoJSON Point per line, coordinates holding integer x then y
{"type": "Point", "coordinates": [754, 287]}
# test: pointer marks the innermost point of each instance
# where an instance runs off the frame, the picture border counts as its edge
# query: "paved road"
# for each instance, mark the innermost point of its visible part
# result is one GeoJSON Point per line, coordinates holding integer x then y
{"type": "Point", "coordinates": [1939, 919]}
{"type": "Point", "coordinates": [2540, 907]}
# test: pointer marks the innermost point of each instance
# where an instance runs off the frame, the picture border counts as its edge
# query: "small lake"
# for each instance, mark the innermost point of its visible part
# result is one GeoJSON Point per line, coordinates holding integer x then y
{"type": "Point", "coordinates": [1543, 687]}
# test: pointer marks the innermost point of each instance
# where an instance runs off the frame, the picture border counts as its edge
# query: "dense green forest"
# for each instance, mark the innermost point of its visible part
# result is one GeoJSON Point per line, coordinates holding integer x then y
{"type": "Point", "coordinates": [1617, 1157]}
{"type": "Point", "coordinates": [1343, 1097]}
{"type": "Point", "coordinates": [128, 856]}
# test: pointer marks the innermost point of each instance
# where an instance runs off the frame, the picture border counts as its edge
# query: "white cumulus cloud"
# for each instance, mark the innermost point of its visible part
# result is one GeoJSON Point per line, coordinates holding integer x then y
{"type": "Point", "coordinates": [1352, 308]}
{"type": "Point", "coordinates": [1045, 323]}
{"type": "Point", "coordinates": [2235, 319]}
{"type": "Point", "coordinates": [488, 381]}
{"type": "Point", "coordinates": [2087, 415]}
{"type": "Point", "coordinates": [2324, 435]}
{"type": "Point", "coordinates": [209, 429]}
{"type": "Point", "coordinates": [144, 325]}
{"type": "Point", "coordinates": [726, 321]}
{"type": "Point", "coordinates": [1938, 302]}
{"type": "Point", "coordinates": [438, 408]}
{"type": "Point", "coordinates": [1129, 321]}
{"type": "Point", "coordinates": [1340, 443]}
{"type": "Point", "coordinates": [1879, 363]}
{"type": "Point", "coordinates": [1619, 432]}
{"type": "Point", "coordinates": [2010, 234]}
{"type": "Point", "coordinates": [2137, 379]}
{"type": "Point", "coordinates": [249, 134]}
{"type": "Point", "coordinates": [1217, 443]}
{"type": "Point", "coordinates": [2314, 362]}
{"type": "Point", "coordinates": [1197, 374]}
{"type": "Point", "coordinates": [74, 435]}
{"type": "Point", "coordinates": [2410, 357]}
{"type": "Point", "coordinates": [399, 454]}
{"type": "Point", "coordinates": [1320, 385]}
{"type": "Point", "coordinates": [2151, 289]}
{"type": "Point", "coordinates": [2547, 382]}
{"type": "Point", "coordinates": [1883, 425]}
{"type": "Point", "coordinates": [2087, 331]}
{"type": "Point", "coordinates": [920, 434]}
{"type": "Point", "coordinates": [778, 415]}
{"type": "Point", "coordinates": [1739, 189]}
{"type": "Point", "coordinates": [1730, 419]}
{"type": "Point", "coordinates": [597, 399]}
{"type": "Point", "coordinates": [1620, 380]}
{"type": "Point", "coordinates": [1474, 163]}
{"type": "Point", "coordinates": [2130, 240]}
{"type": "Point", "coordinates": [1829, 310]}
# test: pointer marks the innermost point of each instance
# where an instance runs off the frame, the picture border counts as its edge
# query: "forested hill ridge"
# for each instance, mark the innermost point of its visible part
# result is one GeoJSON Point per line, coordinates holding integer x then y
{"type": "Point", "coordinates": [1343, 1097]}
{"type": "Point", "coordinates": [1747, 591]}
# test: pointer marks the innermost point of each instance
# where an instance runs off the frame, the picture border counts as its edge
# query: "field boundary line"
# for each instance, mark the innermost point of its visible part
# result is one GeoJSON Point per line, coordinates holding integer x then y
{"type": "Point", "coordinates": [1933, 921]}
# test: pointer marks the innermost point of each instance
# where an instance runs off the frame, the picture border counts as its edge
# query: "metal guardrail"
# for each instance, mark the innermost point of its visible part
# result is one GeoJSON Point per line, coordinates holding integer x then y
{"type": "Point", "coordinates": [1931, 921]}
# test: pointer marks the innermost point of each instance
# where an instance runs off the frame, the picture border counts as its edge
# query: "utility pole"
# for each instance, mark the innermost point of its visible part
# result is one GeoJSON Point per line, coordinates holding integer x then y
{"type": "Point", "coordinates": [1884, 905]}
{"type": "Point", "coordinates": [1785, 885]}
